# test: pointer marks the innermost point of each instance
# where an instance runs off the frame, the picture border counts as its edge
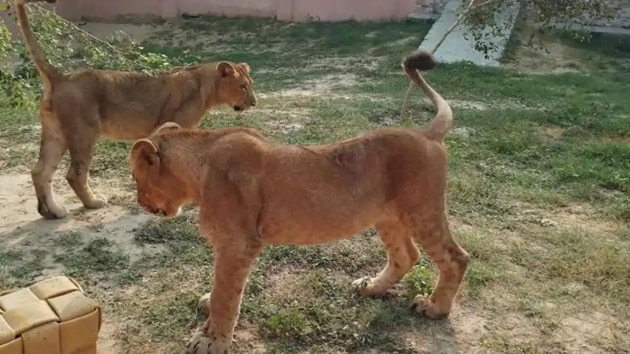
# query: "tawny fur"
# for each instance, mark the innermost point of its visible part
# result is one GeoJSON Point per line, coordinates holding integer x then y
{"type": "Point", "coordinates": [80, 107]}
{"type": "Point", "coordinates": [253, 192]}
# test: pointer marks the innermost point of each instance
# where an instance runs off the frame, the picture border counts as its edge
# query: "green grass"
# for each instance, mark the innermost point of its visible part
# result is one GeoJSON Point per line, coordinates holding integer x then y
{"type": "Point", "coordinates": [539, 192]}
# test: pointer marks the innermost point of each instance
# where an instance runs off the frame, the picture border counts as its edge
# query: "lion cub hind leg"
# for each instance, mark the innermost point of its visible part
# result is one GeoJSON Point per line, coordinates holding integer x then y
{"type": "Point", "coordinates": [451, 260]}
{"type": "Point", "coordinates": [81, 148]}
{"type": "Point", "coordinates": [402, 255]}
{"type": "Point", "coordinates": [52, 148]}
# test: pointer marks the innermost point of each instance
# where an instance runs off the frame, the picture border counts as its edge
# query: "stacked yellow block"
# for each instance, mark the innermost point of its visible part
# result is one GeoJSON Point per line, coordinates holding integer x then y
{"type": "Point", "coordinates": [52, 316]}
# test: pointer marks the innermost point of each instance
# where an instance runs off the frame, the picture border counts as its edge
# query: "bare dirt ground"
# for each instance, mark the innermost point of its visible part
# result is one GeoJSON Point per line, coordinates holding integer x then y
{"type": "Point", "coordinates": [24, 231]}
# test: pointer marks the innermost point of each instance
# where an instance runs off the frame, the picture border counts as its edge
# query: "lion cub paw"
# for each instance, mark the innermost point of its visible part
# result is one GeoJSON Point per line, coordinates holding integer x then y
{"type": "Point", "coordinates": [361, 284]}
{"type": "Point", "coordinates": [424, 305]}
{"type": "Point", "coordinates": [201, 344]}
{"type": "Point", "coordinates": [95, 203]}
{"type": "Point", "coordinates": [365, 286]}
{"type": "Point", "coordinates": [52, 211]}
{"type": "Point", "coordinates": [203, 305]}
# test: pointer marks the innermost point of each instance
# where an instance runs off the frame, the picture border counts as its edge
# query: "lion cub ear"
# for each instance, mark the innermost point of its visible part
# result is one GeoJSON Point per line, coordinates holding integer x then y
{"type": "Point", "coordinates": [225, 68]}
{"type": "Point", "coordinates": [166, 126]}
{"type": "Point", "coordinates": [245, 66]}
{"type": "Point", "coordinates": [145, 150]}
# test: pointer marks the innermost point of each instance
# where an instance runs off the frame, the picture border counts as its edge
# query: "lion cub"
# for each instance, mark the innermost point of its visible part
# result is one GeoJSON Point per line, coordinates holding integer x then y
{"type": "Point", "coordinates": [80, 107]}
{"type": "Point", "coordinates": [253, 192]}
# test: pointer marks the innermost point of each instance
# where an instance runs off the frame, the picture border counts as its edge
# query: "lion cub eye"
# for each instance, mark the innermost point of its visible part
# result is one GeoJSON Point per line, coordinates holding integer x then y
{"type": "Point", "coordinates": [244, 88]}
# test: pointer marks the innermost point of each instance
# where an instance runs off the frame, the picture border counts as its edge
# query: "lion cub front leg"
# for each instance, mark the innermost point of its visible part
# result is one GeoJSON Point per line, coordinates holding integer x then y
{"type": "Point", "coordinates": [231, 269]}
{"type": "Point", "coordinates": [81, 154]}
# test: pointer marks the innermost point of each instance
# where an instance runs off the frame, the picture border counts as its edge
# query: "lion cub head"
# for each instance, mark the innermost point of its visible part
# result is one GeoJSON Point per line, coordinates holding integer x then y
{"type": "Point", "coordinates": [159, 191]}
{"type": "Point", "coordinates": [236, 86]}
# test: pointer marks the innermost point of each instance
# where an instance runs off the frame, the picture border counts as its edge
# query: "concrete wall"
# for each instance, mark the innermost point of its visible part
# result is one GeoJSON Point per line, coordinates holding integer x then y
{"type": "Point", "coordinates": [294, 10]}
{"type": "Point", "coordinates": [431, 6]}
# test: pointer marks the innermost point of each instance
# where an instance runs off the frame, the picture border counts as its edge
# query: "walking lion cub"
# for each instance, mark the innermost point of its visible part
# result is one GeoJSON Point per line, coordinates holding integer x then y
{"type": "Point", "coordinates": [82, 106]}
{"type": "Point", "coordinates": [253, 192]}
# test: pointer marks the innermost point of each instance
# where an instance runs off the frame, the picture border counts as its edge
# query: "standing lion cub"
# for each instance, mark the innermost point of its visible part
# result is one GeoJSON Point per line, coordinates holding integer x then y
{"type": "Point", "coordinates": [253, 192]}
{"type": "Point", "coordinates": [79, 107]}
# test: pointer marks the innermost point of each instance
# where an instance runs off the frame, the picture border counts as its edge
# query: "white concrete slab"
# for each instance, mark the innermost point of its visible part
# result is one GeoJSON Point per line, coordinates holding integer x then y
{"type": "Point", "coordinates": [456, 48]}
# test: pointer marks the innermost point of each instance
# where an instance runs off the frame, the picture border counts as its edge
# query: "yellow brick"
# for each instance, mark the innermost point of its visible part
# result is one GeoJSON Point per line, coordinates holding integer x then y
{"type": "Point", "coordinates": [29, 316]}
{"type": "Point", "coordinates": [17, 299]}
{"type": "Point", "coordinates": [52, 287]}
{"type": "Point", "coordinates": [7, 333]}
{"type": "Point", "coordinates": [72, 305]}
{"type": "Point", "coordinates": [13, 347]}
{"type": "Point", "coordinates": [81, 333]}
{"type": "Point", "coordinates": [42, 339]}
{"type": "Point", "coordinates": [90, 350]}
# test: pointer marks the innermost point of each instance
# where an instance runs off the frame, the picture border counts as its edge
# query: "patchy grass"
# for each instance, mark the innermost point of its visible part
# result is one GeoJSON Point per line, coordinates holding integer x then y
{"type": "Point", "coordinates": [538, 192]}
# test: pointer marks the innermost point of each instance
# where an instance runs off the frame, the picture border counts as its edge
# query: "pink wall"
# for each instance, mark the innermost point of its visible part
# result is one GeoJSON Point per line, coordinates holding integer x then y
{"type": "Point", "coordinates": [294, 10]}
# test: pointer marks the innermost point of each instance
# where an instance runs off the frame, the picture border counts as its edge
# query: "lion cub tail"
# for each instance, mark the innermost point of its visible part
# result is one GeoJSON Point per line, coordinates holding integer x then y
{"type": "Point", "coordinates": [46, 70]}
{"type": "Point", "coordinates": [424, 61]}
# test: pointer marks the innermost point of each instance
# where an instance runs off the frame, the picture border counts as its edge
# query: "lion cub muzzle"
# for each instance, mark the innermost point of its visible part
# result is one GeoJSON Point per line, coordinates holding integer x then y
{"type": "Point", "coordinates": [253, 101]}
{"type": "Point", "coordinates": [152, 210]}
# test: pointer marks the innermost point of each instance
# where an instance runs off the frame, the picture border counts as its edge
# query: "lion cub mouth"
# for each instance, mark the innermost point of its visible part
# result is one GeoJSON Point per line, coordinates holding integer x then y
{"type": "Point", "coordinates": [154, 211]}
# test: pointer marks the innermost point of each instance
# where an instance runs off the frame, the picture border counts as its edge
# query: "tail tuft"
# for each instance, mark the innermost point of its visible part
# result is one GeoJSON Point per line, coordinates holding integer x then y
{"type": "Point", "coordinates": [413, 65]}
{"type": "Point", "coordinates": [420, 60]}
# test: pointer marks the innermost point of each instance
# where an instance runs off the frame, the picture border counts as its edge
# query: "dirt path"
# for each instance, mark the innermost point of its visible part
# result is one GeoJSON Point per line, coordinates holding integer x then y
{"type": "Point", "coordinates": [25, 232]}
